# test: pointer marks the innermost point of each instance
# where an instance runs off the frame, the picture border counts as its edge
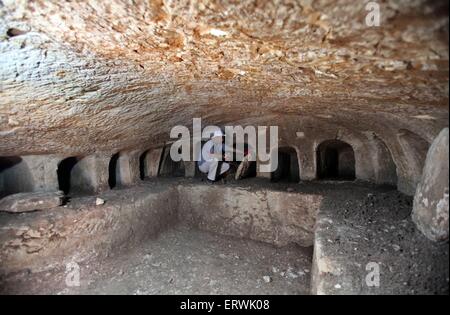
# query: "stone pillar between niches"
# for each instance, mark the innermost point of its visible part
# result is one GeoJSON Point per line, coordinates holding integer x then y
{"type": "Point", "coordinates": [431, 201]}
{"type": "Point", "coordinates": [307, 161]}
{"type": "Point", "coordinates": [127, 171]}
{"type": "Point", "coordinates": [411, 153]}
{"type": "Point", "coordinates": [189, 169]}
{"type": "Point", "coordinates": [151, 162]}
{"type": "Point", "coordinates": [385, 170]}
{"type": "Point", "coordinates": [90, 174]}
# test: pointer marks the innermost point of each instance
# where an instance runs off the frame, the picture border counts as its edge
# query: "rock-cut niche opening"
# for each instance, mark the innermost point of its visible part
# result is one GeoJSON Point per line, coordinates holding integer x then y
{"type": "Point", "coordinates": [64, 172]}
{"type": "Point", "coordinates": [75, 176]}
{"type": "Point", "coordinates": [169, 167]}
{"type": "Point", "coordinates": [112, 171]}
{"type": "Point", "coordinates": [288, 167]}
{"type": "Point", "coordinates": [13, 172]}
{"type": "Point", "coordinates": [335, 161]}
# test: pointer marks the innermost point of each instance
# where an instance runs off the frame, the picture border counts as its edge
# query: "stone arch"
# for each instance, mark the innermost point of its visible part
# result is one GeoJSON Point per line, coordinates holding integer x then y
{"type": "Point", "coordinates": [143, 165]}
{"type": "Point", "coordinates": [336, 160]}
{"type": "Point", "coordinates": [149, 161]}
{"type": "Point", "coordinates": [364, 166]}
{"type": "Point", "coordinates": [170, 168]}
{"type": "Point", "coordinates": [112, 171]}
{"type": "Point", "coordinates": [124, 168]}
{"type": "Point", "coordinates": [288, 165]}
{"type": "Point", "coordinates": [64, 172]}
{"type": "Point", "coordinates": [412, 155]}
{"type": "Point", "coordinates": [81, 175]}
{"type": "Point", "coordinates": [385, 168]}
{"type": "Point", "coordinates": [15, 176]}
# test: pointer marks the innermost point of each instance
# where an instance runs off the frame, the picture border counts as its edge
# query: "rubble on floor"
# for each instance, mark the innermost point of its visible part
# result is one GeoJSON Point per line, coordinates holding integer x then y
{"type": "Point", "coordinates": [182, 261]}
{"type": "Point", "coordinates": [368, 244]}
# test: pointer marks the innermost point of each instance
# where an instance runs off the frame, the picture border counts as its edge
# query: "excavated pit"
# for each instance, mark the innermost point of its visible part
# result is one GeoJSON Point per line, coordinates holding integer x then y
{"type": "Point", "coordinates": [250, 237]}
{"type": "Point", "coordinates": [182, 261]}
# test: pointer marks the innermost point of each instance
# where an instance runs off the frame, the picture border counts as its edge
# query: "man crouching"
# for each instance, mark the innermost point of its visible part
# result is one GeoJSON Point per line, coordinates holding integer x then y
{"type": "Point", "coordinates": [212, 157]}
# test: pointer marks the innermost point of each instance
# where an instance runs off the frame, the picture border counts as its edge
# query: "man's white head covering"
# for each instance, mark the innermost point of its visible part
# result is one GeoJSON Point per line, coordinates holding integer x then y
{"type": "Point", "coordinates": [217, 133]}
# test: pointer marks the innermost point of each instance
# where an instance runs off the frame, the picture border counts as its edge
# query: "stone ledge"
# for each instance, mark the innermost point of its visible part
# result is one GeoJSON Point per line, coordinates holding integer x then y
{"type": "Point", "coordinates": [25, 202]}
{"type": "Point", "coordinates": [47, 239]}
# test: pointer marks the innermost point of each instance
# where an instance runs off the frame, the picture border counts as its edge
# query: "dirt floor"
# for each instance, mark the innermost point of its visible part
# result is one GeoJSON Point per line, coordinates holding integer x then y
{"type": "Point", "coordinates": [369, 223]}
{"type": "Point", "coordinates": [359, 225]}
{"type": "Point", "coordinates": [183, 261]}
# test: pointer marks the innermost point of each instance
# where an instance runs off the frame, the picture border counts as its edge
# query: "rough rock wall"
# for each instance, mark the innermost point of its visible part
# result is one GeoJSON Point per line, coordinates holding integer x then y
{"type": "Point", "coordinates": [89, 76]}
{"type": "Point", "coordinates": [431, 200]}
{"type": "Point", "coordinates": [275, 217]}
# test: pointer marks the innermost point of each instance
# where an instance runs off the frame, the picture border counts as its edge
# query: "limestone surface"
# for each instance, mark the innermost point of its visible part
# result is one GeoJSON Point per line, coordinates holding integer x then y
{"type": "Point", "coordinates": [106, 76]}
{"type": "Point", "coordinates": [431, 202]}
{"type": "Point", "coordinates": [78, 77]}
{"type": "Point", "coordinates": [25, 202]}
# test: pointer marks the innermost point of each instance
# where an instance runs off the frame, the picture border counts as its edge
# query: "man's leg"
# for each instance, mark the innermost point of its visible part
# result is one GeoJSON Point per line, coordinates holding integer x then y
{"type": "Point", "coordinates": [213, 165]}
{"type": "Point", "coordinates": [204, 167]}
{"type": "Point", "coordinates": [213, 168]}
